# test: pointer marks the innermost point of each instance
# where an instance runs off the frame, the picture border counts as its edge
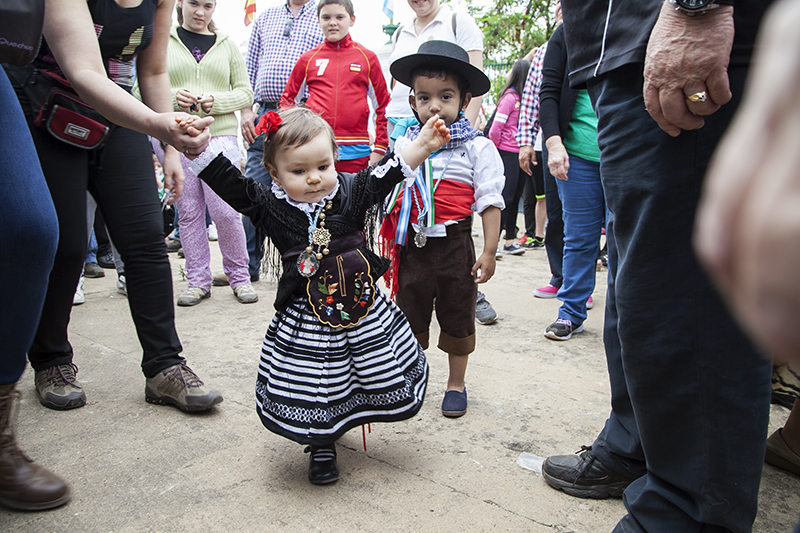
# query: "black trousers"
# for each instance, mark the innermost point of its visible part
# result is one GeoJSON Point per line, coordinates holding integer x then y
{"type": "Point", "coordinates": [121, 179]}
{"type": "Point", "coordinates": [512, 191]}
{"type": "Point", "coordinates": [689, 393]}
{"type": "Point", "coordinates": [554, 237]}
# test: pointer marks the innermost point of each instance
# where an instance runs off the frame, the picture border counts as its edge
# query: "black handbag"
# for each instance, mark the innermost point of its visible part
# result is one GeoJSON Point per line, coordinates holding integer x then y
{"type": "Point", "coordinates": [57, 109]}
{"type": "Point", "coordinates": [21, 24]}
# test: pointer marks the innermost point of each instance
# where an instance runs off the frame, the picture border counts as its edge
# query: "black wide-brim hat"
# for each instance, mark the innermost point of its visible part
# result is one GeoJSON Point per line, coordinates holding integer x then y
{"type": "Point", "coordinates": [445, 55]}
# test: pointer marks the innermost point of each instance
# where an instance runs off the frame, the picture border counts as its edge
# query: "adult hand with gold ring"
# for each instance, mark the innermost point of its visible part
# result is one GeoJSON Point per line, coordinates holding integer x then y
{"type": "Point", "coordinates": [686, 56]}
{"type": "Point", "coordinates": [698, 97]}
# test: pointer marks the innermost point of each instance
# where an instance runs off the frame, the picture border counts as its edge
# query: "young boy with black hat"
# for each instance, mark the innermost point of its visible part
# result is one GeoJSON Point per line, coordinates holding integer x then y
{"type": "Point", "coordinates": [435, 211]}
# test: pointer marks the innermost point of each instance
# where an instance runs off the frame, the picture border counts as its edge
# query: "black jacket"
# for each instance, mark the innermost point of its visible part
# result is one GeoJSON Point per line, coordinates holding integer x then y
{"type": "Point", "coordinates": [556, 98]}
{"type": "Point", "coordinates": [354, 209]}
{"type": "Point", "coordinates": [599, 41]}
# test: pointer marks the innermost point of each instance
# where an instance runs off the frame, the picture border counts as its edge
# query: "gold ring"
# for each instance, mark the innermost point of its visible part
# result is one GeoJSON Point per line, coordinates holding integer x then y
{"type": "Point", "coordinates": [186, 149]}
{"type": "Point", "coordinates": [697, 97]}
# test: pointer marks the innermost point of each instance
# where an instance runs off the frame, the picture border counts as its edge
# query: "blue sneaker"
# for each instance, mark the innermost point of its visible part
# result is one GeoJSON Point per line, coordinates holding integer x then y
{"type": "Point", "coordinates": [454, 403]}
{"type": "Point", "coordinates": [513, 249]}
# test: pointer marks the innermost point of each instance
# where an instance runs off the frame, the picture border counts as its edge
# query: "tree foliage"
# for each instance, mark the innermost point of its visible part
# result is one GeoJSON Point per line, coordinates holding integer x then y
{"type": "Point", "coordinates": [511, 28]}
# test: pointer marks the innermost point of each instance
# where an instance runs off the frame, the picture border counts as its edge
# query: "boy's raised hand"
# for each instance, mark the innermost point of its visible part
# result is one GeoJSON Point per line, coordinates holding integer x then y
{"type": "Point", "coordinates": [434, 134]}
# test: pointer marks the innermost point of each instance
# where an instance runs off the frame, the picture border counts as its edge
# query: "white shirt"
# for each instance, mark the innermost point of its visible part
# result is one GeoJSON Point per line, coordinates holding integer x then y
{"type": "Point", "coordinates": [476, 163]}
{"type": "Point", "coordinates": [406, 42]}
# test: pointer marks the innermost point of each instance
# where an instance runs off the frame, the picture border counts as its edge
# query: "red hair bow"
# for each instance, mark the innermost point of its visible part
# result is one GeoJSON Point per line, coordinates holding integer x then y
{"type": "Point", "coordinates": [268, 123]}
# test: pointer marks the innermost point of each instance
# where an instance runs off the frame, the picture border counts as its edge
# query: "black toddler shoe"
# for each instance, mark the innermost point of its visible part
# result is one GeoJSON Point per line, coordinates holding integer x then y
{"type": "Point", "coordinates": [322, 464]}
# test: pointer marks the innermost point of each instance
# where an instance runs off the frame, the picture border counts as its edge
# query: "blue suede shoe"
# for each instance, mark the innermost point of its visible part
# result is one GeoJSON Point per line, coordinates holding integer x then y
{"type": "Point", "coordinates": [455, 403]}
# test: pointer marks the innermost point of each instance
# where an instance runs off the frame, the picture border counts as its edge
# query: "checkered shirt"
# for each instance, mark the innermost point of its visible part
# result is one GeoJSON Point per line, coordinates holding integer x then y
{"type": "Point", "coordinates": [271, 56]}
{"type": "Point", "coordinates": [529, 104]}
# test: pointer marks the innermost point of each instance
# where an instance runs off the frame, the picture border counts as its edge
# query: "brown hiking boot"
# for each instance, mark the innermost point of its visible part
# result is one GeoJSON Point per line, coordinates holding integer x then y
{"type": "Point", "coordinates": [179, 386]}
{"type": "Point", "coordinates": [24, 485]}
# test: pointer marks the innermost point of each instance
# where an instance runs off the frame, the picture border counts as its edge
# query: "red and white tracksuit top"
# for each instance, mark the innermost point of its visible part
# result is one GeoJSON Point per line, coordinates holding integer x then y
{"type": "Point", "coordinates": [340, 76]}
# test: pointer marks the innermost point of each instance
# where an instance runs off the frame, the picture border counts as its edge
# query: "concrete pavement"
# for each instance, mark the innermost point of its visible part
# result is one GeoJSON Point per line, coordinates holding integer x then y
{"type": "Point", "coordinates": [137, 467]}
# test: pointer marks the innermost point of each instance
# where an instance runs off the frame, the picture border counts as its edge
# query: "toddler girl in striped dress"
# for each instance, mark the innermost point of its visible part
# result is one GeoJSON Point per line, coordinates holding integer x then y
{"type": "Point", "coordinates": [338, 353]}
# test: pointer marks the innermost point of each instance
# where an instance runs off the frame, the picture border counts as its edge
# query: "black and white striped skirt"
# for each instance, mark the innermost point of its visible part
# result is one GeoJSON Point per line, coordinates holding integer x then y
{"type": "Point", "coordinates": [316, 382]}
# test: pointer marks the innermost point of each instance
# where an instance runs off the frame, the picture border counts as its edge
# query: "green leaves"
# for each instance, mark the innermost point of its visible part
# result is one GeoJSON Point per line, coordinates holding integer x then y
{"type": "Point", "coordinates": [512, 28]}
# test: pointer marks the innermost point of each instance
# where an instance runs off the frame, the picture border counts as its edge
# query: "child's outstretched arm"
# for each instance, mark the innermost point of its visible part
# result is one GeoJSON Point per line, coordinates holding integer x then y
{"type": "Point", "coordinates": [434, 135]}
{"type": "Point", "coordinates": [483, 269]}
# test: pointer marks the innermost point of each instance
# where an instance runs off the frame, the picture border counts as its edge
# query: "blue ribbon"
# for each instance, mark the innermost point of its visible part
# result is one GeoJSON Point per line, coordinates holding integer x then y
{"type": "Point", "coordinates": [405, 207]}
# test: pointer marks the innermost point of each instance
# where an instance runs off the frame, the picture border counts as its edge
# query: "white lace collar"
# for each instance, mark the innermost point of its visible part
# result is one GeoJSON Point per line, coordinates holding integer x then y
{"type": "Point", "coordinates": [305, 207]}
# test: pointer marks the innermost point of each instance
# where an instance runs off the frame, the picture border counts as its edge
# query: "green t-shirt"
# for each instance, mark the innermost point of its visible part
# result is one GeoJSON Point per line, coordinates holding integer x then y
{"type": "Point", "coordinates": [581, 139]}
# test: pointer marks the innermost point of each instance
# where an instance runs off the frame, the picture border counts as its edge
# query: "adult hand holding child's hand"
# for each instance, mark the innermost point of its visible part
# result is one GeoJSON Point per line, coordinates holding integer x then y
{"type": "Point", "coordinates": [189, 134]}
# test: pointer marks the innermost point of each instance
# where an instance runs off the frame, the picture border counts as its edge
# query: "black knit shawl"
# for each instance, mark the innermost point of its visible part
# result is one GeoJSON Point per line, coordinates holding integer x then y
{"type": "Point", "coordinates": [355, 208]}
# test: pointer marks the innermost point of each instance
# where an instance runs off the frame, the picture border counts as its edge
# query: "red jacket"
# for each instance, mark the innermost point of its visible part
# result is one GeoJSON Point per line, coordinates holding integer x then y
{"type": "Point", "coordinates": [340, 76]}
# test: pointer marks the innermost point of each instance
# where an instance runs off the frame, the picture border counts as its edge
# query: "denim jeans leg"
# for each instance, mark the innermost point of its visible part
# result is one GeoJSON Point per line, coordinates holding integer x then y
{"type": "Point", "coordinates": [584, 211]}
{"type": "Point", "coordinates": [30, 231]}
{"type": "Point", "coordinates": [255, 170]}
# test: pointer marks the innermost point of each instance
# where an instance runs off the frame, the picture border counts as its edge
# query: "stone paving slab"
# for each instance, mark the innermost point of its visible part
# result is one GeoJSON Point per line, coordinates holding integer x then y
{"type": "Point", "coordinates": [135, 467]}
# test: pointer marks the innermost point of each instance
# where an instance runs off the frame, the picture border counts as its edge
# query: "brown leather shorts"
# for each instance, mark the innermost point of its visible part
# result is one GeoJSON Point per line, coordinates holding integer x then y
{"type": "Point", "coordinates": [440, 272]}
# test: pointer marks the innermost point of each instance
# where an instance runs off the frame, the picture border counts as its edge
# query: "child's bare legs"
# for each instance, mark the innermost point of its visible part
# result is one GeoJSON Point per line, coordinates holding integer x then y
{"type": "Point", "coordinates": [458, 371]}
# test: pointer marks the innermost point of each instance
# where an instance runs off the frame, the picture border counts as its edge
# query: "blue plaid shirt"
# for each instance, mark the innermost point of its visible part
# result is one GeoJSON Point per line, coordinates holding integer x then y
{"type": "Point", "coordinates": [271, 55]}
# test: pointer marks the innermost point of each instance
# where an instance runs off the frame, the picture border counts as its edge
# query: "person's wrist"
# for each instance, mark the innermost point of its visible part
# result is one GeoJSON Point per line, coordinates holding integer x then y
{"type": "Point", "coordinates": [686, 7]}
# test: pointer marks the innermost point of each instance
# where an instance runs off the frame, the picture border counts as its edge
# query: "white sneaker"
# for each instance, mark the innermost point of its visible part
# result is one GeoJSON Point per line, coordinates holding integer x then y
{"type": "Point", "coordinates": [79, 298]}
{"type": "Point", "coordinates": [245, 294]}
{"type": "Point", "coordinates": [212, 232]}
{"type": "Point", "coordinates": [122, 285]}
{"type": "Point", "coordinates": [193, 296]}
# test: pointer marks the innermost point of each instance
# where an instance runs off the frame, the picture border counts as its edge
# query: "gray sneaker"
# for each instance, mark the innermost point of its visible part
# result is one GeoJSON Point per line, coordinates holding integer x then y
{"type": "Point", "coordinates": [173, 245]}
{"type": "Point", "coordinates": [179, 386]}
{"type": "Point", "coordinates": [245, 294]}
{"type": "Point", "coordinates": [57, 387]}
{"type": "Point", "coordinates": [484, 313]}
{"type": "Point", "coordinates": [193, 296]}
{"type": "Point", "coordinates": [93, 270]}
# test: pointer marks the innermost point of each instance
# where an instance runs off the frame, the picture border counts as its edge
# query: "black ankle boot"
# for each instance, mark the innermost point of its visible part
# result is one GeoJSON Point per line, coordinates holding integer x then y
{"type": "Point", "coordinates": [322, 464]}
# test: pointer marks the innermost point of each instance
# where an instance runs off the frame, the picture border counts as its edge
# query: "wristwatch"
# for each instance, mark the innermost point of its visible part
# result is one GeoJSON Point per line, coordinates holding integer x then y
{"type": "Point", "coordinates": [698, 7]}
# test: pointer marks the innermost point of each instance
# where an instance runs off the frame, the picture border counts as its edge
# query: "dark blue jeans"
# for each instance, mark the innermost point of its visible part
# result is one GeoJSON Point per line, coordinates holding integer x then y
{"type": "Point", "coordinates": [583, 211]}
{"type": "Point", "coordinates": [690, 394]}
{"type": "Point", "coordinates": [29, 237]}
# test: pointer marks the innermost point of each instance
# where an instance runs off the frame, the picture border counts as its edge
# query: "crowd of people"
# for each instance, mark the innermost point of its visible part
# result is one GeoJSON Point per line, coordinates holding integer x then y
{"type": "Point", "coordinates": [610, 128]}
